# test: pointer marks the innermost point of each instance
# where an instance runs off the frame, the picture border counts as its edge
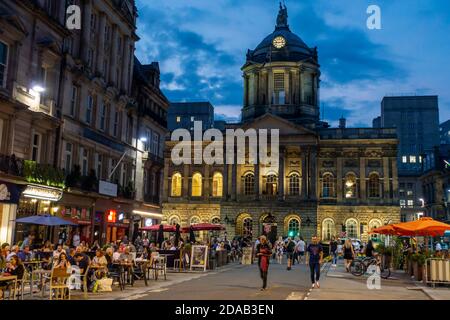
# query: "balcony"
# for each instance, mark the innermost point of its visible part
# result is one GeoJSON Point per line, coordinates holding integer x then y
{"type": "Point", "coordinates": [32, 171]}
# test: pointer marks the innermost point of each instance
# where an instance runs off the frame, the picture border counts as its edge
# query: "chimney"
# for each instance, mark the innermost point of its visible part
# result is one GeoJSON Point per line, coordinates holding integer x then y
{"type": "Point", "coordinates": [342, 123]}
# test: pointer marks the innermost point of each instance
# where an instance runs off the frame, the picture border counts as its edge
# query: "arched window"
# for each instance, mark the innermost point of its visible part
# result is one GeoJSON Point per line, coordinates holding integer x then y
{"type": "Point", "coordinates": [328, 186]}
{"type": "Point", "coordinates": [293, 227]}
{"type": "Point", "coordinates": [373, 224]}
{"type": "Point", "coordinates": [374, 186]}
{"type": "Point", "coordinates": [217, 190]}
{"type": "Point", "coordinates": [351, 228]}
{"type": "Point", "coordinates": [350, 186]}
{"type": "Point", "coordinates": [294, 184]}
{"type": "Point", "coordinates": [247, 227]}
{"type": "Point", "coordinates": [174, 221]}
{"type": "Point", "coordinates": [249, 184]}
{"type": "Point", "coordinates": [272, 184]}
{"type": "Point", "coordinates": [215, 220]}
{"type": "Point", "coordinates": [196, 185]}
{"type": "Point", "coordinates": [328, 229]}
{"type": "Point", "coordinates": [176, 185]}
{"type": "Point", "coordinates": [194, 220]}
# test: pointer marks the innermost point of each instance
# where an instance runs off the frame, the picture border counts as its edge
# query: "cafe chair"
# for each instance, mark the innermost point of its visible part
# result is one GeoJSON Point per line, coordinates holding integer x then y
{"type": "Point", "coordinates": [26, 279]}
{"type": "Point", "coordinates": [115, 272]}
{"type": "Point", "coordinates": [160, 267]}
{"type": "Point", "coordinates": [59, 284]}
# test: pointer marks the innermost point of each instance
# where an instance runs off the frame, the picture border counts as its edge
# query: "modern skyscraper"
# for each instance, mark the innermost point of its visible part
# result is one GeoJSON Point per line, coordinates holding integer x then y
{"type": "Point", "coordinates": [183, 115]}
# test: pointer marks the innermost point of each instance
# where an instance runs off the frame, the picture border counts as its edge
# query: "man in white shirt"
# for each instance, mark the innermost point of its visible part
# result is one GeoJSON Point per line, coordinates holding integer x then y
{"type": "Point", "coordinates": [76, 239]}
{"type": "Point", "coordinates": [301, 249]}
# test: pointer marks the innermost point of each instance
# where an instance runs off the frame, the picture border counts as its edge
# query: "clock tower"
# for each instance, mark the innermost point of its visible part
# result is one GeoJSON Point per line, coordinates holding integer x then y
{"type": "Point", "coordinates": [281, 76]}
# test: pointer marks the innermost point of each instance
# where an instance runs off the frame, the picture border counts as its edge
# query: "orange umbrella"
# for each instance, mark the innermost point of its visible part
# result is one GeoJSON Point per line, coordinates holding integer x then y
{"type": "Point", "coordinates": [425, 226]}
{"type": "Point", "coordinates": [388, 229]}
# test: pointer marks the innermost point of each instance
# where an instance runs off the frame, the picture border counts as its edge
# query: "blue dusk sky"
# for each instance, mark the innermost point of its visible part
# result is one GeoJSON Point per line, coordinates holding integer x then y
{"type": "Point", "coordinates": [201, 46]}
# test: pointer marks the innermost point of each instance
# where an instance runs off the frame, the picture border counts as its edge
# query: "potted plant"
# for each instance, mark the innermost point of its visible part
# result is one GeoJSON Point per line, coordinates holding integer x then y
{"type": "Point", "coordinates": [418, 261]}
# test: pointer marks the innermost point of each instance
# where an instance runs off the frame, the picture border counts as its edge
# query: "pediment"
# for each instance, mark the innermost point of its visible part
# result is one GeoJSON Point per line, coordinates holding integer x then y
{"type": "Point", "coordinates": [270, 121]}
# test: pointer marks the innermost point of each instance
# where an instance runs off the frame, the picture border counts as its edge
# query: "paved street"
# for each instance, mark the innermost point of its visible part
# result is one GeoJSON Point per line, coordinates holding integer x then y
{"type": "Point", "coordinates": [240, 283]}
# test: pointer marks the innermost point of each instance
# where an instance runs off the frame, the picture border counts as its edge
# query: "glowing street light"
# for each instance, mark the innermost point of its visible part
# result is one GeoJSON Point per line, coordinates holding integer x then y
{"type": "Point", "coordinates": [39, 89]}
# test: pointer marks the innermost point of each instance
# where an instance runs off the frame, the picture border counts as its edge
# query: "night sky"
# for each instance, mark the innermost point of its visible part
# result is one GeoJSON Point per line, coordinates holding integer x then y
{"type": "Point", "coordinates": [201, 46]}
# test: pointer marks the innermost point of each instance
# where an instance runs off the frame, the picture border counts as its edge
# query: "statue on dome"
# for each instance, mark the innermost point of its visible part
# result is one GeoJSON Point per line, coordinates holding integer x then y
{"type": "Point", "coordinates": [282, 16]}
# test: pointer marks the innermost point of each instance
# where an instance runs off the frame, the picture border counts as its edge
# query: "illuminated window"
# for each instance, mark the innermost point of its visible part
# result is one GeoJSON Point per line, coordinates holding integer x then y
{"type": "Point", "coordinates": [328, 229]}
{"type": "Point", "coordinates": [178, 119]}
{"type": "Point", "coordinates": [36, 150]}
{"type": "Point", "coordinates": [294, 184]}
{"type": "Point", "coordinates": [293, 227]}
{"type": "Point", "coordinates": [410, 203]}
{"type": "Point", "coordinates": [374, 186]}
{"type": "Point", "coordinates": [402, 203]}
{"type": "Point", "coordinates": [176, 185]}
{"type": "Point", "coordinates": [247, 227]}
{"type": "Point", "coordinates": [196, 185]}
{"type": "Point", "coordinates": [351, 227]}
{"type": "Point", "coordinates": [404, 159]}
{"type": "Point", "coordinates": [412, 159]}
{"type": "Point", "coordinates": [350, 186]}
{"type": "Point", "coordinates": [217, 185]}
{"type": "Point", "coordinates": [271, 184]}
{"type": "Point", "coordinates": [249, 184]}
{"type": "Point", "coordinates": [328, 186]}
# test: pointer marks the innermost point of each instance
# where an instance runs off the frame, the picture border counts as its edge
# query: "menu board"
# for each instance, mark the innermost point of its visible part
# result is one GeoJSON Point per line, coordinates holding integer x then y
{"type": "Point", "coordinates": [247, 255]}
{"type": "Point", "coordinates": [199, 257]}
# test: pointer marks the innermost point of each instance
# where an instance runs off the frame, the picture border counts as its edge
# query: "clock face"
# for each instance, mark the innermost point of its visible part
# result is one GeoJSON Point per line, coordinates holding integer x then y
{"type": "Point", "coordinates": [279, 42]}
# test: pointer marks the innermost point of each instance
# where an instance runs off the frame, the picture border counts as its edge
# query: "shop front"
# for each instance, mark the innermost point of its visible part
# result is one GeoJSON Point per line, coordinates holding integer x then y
{"type": "Point", "coordinates": [77, 208]}
{"type": "Point", "coordinates": [9, 199]}
{"type": "Point", "coordinates": [34, 200]}
{"type": "Point", "coordinates": [146, 216]}
{"type": "Point", "coordinates": [112, 220]}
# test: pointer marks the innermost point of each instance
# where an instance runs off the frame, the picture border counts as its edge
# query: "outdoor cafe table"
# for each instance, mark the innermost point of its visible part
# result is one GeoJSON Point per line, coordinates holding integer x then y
{"type": "Point", "coordinates": [126, 271]}
{"type": "Point", "coordinates": [8, 278]}
{"type": "Point", "coordinates": [32, 264]}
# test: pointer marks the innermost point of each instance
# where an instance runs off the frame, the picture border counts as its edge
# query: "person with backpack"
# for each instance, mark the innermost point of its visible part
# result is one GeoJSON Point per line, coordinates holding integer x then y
{"type": "Point", "coordinates": [290, 247]}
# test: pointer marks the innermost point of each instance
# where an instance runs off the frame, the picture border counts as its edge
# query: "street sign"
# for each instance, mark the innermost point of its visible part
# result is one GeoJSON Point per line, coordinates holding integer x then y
{"type": "Point", "coordinates": [107, 188]}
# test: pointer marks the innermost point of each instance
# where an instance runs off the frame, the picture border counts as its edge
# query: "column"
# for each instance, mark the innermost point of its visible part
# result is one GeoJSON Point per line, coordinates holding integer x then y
{"type": "Point", "coordinates": [281, 175]}
{"type": "Point", "coordinates": [225, 182]}
{"type": "Point", "coordinates": [287, 89]}
{"type": "Point", "coordinates": [207, 192]}
{"type": "Point", "coordinates": [304, 185]}
{"type": "Point", "coordinates": [87, 11]}
{"type": "Point", "coordinates": [300, 89]}
{"type": "Point", "coordinates": [395, 179]}
{"type": "Point", "coordinates": [186, 180]}
{"type": "Point", "coordinates": [114, 48]}
{"type": "Point", "coordinates": [101, 45]}
{"type": "Point", "coordinates": [386, 179]}
{"type": "Point", "coordinates": [339, 191]}
{"type": "Point", "coordinates": [362, 177]}
{"type": "Point", "coordinates": [126, 62]}
{"type": "Point", "coordinates": [313, 176]}
{"type": "Point", "coordinates": [234, 179]}
{"type": "Point", "coordinates": [257, 181]}
{"type": "Point", "coordinates": [270, 87]}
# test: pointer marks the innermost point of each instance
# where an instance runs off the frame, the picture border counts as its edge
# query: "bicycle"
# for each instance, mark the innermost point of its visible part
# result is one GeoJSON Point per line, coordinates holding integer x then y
{"type": "Point", "coordinates": [360, 267]}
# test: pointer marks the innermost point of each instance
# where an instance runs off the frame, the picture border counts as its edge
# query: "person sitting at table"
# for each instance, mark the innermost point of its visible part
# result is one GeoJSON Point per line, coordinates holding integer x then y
{"type": "Point", "coordinates": [28, 241]}
{"type": "Point", "coordinates": [172, 247]}
{"type": "Point", "coordinates": [61, 262]}
{"type": "Point", "coordinates": [14, 251]}
{"type": "Point", "coordinates": [48, 246]}
{"type": "Point", "coordinates": [95, 246]}
{"type": "Point", "coordinates": [57, 252]}
{"type": "Point", "coordinates": [99, 260]}
{"type": "Point", "coordinates": [109, 255]}
{"type": "Point", "coordinates": [126, 255]}
{"type": "Point", "coordinates": [25, 254]}
{"type": "Point", "coordinates": [82, 261]}
{"type": "Point", "coordinates": [14, 268]}
{"type": "Point", "coordinates": [71, 256]}
{"type": "Point", "coordinates": [116, 255]}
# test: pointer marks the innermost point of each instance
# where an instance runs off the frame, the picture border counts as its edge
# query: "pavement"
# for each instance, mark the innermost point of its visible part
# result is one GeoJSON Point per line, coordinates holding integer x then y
{"type": "Point", "coordinates": [242, 282]}
{"type": "Point", "coordinates": [337, 284]}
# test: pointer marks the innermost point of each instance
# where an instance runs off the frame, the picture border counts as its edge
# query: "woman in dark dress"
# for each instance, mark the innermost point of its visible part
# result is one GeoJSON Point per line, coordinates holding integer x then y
{"type": "Point", "coordinates": [349, 254]}
{"type": "Point", "coordinates": [264, 251]}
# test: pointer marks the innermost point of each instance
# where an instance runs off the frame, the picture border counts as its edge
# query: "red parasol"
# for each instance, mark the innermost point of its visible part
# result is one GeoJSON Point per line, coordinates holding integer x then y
{"type": "Point", "coordinates": [155, 227]}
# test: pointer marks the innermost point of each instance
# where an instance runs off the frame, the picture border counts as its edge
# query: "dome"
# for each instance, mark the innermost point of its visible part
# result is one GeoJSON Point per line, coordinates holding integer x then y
{"type": "Point", "coordinates": [294, 49]}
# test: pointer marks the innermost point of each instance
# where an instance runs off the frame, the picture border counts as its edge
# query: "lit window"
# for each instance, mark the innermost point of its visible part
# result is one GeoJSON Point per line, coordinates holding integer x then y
{"type": "Point", "coordinates": [196, 185]}
{"type": "Point", "coordinates": [351, 227]}
{"type": "Point", "coordinates": [178, 119]}
{"type": "Point", "coordinates": [402, 203]}
{"type": "Point", "coordinates": [404, 159]}
{"type": "Point", "coordinates": [249, 184]}
{"type": "Point", "coordinates": [293, 227]}
{"type": "Point", "coordinates": [328, 229]}
{"type": "Point", "coordinates": [294, 184]}
{"type": "Point", "coordinates": [410, 203]}
{"type": "Point", "coordinates": [374, 186]}
{"type": "Point", "coordinates": [412, 159]}
{"type": "Point", "coordinates": [217, 185]}
{"type": "Point", "coordinates": [350, 186]}
{"type": "Point", "coordinates": [192, 118]}
{"type": "Point", "coordinates": [409, 193]}
{"type": "Point", "coordinates": [328, 186]}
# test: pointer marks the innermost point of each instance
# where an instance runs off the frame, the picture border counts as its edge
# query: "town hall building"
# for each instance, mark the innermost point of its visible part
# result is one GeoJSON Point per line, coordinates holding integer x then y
{"type": "Point", "coordinates": [329, 181]}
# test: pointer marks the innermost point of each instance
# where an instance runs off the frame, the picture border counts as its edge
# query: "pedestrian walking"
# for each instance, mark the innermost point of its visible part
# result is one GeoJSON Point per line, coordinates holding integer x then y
{"type": "Point", "coordinates": [301, 245]}
{"type": "Point", "coordinates": [264, 252]}
{"type": "Point", "coordinates": [333, 251]}
{"type": "Point", "coordinates": [290, 247]}
{"type": "Point", "coordinates": [349, 254]}
{"type": "Point", "coordinates": [279, 250]}
{"type": "Point", "coordinates": [314, 258]}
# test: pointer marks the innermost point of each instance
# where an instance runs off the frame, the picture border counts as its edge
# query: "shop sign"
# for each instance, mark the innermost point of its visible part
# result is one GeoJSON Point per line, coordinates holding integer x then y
{"type": "Point", "coordinates": [42, 193]}
{"type": "Point", "coordinates": [112, 216]}
{"type": "Point", "coordinates": [107, 188]}
{"type": "Point", "coordinates": [148, 222]}
{"type": "Point", "coordinates": [9, 193]}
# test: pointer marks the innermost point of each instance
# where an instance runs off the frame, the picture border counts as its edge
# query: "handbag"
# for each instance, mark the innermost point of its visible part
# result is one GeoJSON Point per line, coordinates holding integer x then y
{"type": "Point", "coordinates": [104, 285]}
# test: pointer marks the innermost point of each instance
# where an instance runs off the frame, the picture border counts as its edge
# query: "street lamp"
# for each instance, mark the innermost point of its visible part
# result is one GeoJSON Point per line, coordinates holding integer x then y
{"type": "Point", "coordinates": [38, 88]}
